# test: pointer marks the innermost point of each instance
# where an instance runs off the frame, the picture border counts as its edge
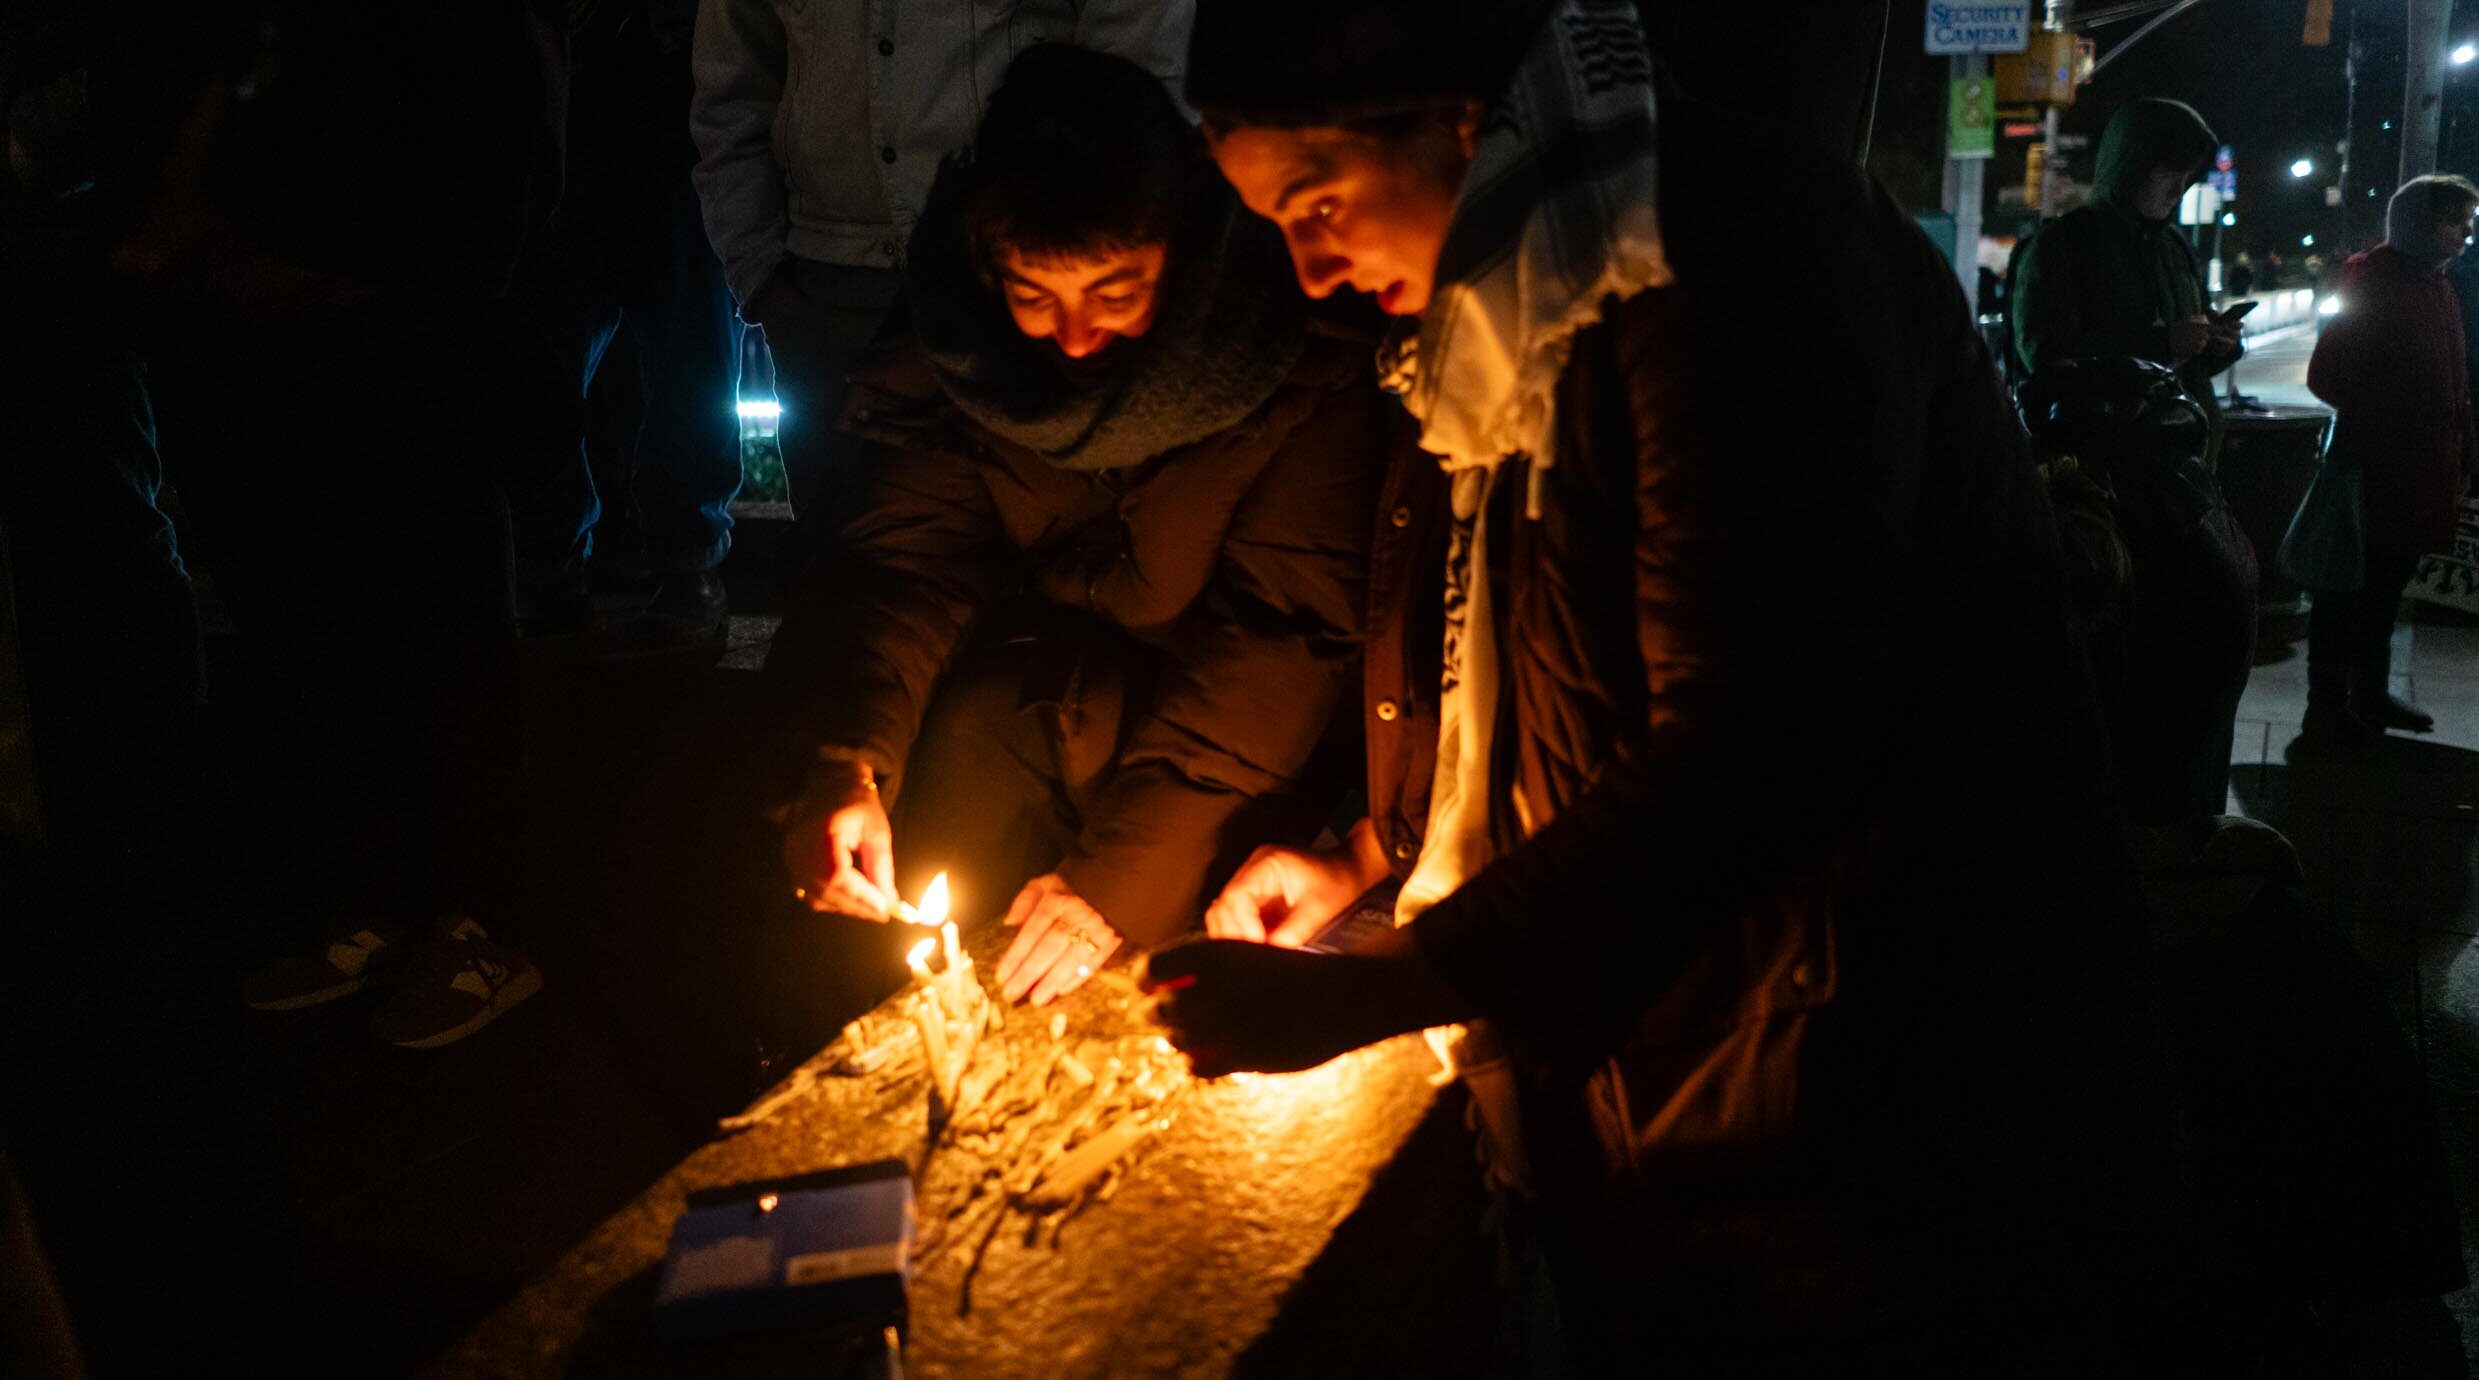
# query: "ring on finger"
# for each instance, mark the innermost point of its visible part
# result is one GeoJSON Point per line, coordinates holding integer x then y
{"type": "Point", "coordinates": [1080, 937]}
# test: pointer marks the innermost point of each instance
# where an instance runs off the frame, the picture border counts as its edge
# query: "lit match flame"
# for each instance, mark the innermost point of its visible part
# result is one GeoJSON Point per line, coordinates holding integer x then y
{"type": "Point", "coordinates": [933, 908]}
{"type": "Point", "coordinates": [918, 959]}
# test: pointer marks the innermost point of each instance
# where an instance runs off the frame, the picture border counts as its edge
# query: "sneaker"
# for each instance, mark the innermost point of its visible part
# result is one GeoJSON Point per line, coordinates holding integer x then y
{"type": "Point", "coordinates": [687, 612]}
{"type": "Point", "coordinates": [690, 607]}
{"type": "Point", "coordinates": [337, 972]}
{"type": "Point", "coordinates": [455, 984]}
{"type": "Point", "coordinates": [2392, 711]}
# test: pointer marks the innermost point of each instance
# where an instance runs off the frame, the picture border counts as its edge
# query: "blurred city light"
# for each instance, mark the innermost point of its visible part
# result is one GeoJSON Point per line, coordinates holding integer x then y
{"type": "Point", "coordinates": [2463, 54]}
{"type": "Point", "coordinates": [2304, 167]}
{"type": "Point", "coordinates": [2306, 241]}
{"type": "Point", "coordinates": [2330, 306]}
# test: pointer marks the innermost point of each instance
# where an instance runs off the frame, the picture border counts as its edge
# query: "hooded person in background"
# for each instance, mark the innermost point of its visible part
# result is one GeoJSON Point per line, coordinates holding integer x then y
{"type": "Point", "coordinates": [1098, 588]}
{"type": "Point", "coordinates": [2117, 277]}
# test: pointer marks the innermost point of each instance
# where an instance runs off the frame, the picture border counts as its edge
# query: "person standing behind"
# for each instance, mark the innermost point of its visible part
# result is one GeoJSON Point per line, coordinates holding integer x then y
{"type": "Point", "coordinates": [2393, 367]}
{"type": "Point", "coordinates": [2462, 275]}
{"type": "Point", "coordinates": [2116, 277]}
{"type": "Point", "coordinates": [819, 126]}
{"type": "Point", "coordinates": [627, 252]}
{"type": "Point", "coordinates": [109, 626]}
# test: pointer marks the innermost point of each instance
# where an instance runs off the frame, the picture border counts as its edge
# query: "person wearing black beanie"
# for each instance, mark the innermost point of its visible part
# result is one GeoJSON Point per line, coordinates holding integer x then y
{"type": "Point", "coordinates": [1822, 989]}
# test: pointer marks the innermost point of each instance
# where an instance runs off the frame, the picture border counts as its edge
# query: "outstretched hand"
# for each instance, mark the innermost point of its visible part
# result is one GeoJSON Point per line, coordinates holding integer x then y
{"type": "Point", "coordinates": [1061, 941]}
{"type": "Point", "coordinates": [1232, 1006]}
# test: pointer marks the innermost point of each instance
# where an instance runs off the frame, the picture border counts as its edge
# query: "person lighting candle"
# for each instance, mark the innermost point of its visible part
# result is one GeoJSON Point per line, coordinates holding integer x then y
{"type": "Point", "coordinates": [1823, 984]}
{"type": "Point", "coordinates": [1079, 627]}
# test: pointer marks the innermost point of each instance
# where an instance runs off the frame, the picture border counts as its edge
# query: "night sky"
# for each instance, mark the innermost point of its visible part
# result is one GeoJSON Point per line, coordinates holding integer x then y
{"type": "Point", "coordinates": [2270, 97]}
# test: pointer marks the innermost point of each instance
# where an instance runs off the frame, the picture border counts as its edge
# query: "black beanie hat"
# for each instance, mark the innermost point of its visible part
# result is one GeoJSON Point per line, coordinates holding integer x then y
{"type": "Point", "coordinates": [1327, 62]}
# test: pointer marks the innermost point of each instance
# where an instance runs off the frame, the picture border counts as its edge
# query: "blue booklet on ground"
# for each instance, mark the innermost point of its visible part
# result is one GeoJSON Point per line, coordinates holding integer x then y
{"type": "Point", "coordinates": [831, 1247]}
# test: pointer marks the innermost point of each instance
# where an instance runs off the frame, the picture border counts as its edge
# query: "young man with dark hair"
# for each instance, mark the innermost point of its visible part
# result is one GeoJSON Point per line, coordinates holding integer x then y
{"type": "Point", "coordinates": [1823, 987]}
{"type": "Point", "coordinates": [2394, 367]}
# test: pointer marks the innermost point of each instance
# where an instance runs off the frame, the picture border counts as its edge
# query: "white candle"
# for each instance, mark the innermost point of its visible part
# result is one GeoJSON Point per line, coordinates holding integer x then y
{"type": "Point", "coordinates": [931, 1017]}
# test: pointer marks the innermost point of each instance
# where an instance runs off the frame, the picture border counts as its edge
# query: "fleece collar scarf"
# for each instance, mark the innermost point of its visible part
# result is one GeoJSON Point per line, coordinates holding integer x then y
{"type": "Point", "coordinates": [1556, 221]}
{"type": "Point", "coordinates": [1228, 326]}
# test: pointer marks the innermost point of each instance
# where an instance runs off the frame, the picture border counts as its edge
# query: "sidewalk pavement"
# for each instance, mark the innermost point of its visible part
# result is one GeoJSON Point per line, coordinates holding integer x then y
{"type": "Point", "coordinates": [2390, 840]}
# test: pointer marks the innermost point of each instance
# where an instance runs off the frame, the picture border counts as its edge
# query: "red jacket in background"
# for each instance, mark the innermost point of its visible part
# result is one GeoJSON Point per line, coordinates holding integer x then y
{"type": "Point", "coordinates": [2391, 364]}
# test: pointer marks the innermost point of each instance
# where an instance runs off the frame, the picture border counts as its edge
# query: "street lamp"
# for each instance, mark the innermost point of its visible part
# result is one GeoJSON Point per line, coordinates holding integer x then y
{"type": "Point", "coordinates": [2306, 241]}
{"type": "Point", "coordinates": [2303, 168]}
{"type": "Point", "coordinates": [2463, 55]}
{"type": "Point", "coordinates": [2229, 218]}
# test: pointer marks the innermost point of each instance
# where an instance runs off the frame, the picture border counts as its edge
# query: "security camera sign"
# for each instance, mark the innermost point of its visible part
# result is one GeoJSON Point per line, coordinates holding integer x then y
{"type": "Point", "coordinates": [1977, 26]}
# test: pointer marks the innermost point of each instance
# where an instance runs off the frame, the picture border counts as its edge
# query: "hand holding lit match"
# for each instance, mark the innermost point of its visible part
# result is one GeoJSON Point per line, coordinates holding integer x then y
{"type": "Point", "coordinates": [838, 847]}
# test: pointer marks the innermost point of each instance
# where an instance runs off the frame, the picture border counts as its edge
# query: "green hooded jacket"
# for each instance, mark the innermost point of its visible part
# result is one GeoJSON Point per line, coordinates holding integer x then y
{"type": "Point", "coordinates": [2102, 280]}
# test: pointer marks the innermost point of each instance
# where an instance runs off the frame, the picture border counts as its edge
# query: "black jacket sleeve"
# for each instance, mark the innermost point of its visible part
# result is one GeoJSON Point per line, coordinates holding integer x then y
{"type": "Point", "coordinates": [875, 621]}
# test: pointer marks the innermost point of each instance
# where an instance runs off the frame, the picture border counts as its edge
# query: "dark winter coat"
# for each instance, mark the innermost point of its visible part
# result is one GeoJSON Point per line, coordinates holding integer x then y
{"type": "Point", "coordinates": [1809, 872]}
{"type": "Point", "coordinates": [2394, 367]}
{"type": "Point", "coordinates": [1239, 557]}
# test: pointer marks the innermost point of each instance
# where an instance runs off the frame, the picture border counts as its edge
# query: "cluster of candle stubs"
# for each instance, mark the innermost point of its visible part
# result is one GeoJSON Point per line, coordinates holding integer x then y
{"type": "Point", "coordinates": [1034, 1131]}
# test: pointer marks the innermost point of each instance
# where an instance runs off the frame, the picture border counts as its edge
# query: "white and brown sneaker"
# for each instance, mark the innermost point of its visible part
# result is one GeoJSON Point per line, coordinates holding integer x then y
{"type": "Point", "coordinates": [455, 983]}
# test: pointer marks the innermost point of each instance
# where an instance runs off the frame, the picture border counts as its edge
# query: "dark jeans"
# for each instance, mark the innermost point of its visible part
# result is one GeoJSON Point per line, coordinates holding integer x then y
{"type": "Point", "coordinates": [849, 310]}
{"type": "Point", "coordinates": [628, 252]}
{"type": "Point", "coordinates": [346, 490]}
{"type": "Point", "coordinates": [108, 626]}
{"type": "Point", "coordinates": [2350, 635]}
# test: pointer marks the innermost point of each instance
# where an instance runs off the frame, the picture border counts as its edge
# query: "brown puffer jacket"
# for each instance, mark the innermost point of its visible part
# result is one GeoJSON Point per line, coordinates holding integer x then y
{"type": "Point", "coordinates": [1240, 558]}
{"type": "Point", "coordinates": [1817, 867]}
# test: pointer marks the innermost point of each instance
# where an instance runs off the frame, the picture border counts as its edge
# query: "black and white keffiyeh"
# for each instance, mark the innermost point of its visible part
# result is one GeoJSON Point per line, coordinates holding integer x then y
{"type": "Point", "coordinates": [1556, 221]}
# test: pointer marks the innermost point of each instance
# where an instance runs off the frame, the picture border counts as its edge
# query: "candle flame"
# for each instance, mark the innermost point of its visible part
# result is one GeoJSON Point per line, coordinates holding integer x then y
{"type": "Point", "coordinates": [933, 906]}
{"type": "Point", "coordinates": [918, 959]}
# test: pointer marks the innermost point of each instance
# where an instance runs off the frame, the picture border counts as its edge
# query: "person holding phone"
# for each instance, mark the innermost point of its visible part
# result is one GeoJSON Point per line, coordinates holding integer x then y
{"type": "Point", "coordinates": [2115, 276]}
